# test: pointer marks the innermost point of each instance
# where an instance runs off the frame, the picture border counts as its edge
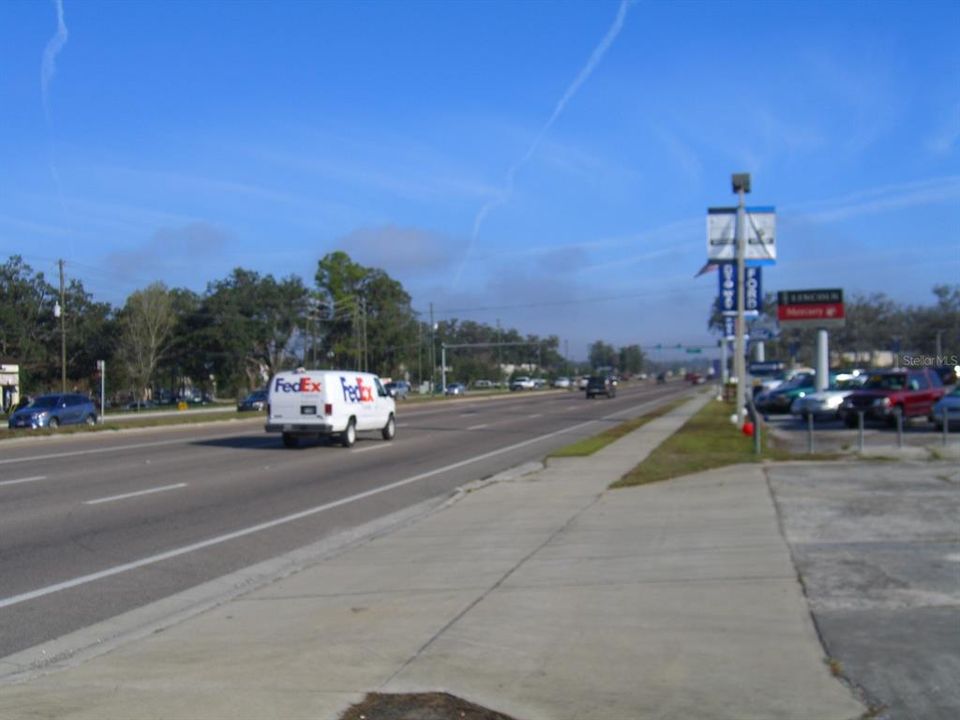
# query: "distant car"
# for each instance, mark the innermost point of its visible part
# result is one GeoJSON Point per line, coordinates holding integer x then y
{"type": "Point", "coordinates": [695, 378]}
{"type": "Point", "coordinates": [539, 383]}
{"type": "Point", "coordinates": [484, 384]}
{"type": "Point", "coordinates": [254, 402]}
{"type": "Point", "coordinates": [398, 389]}
{"type": "Point", "coordinates": [522, 383]}
{"type": "Point", "coordinates": [661, 378]}
{"type": "Point", "coordinates": [562, 382]}
{"type": "Point", "coordinates": [455, 389]}
{"type": "Point", "coordinates": [138, 405]}
{"type": "Point", "coordinates": [52, 411]}
{"type": "Point", "coordinates": [949, 404]}
{"type": "Point", "coordinates": [909, 393]}
{"type": "Point", "coordinates": [600, 385]}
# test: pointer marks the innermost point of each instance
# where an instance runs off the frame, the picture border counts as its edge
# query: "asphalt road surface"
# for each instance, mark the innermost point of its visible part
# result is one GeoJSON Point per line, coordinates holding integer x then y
{"type": "Point", "coordinates": [94, 525]}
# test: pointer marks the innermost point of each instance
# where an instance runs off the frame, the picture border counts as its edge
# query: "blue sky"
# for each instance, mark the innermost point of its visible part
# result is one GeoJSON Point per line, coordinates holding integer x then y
{"type": "Point", "coordinates": [548, 164]}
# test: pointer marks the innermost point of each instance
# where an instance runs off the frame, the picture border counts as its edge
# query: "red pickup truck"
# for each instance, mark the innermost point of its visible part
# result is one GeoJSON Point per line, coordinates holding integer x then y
{"type": "Point", "coordinates": [909, 392]}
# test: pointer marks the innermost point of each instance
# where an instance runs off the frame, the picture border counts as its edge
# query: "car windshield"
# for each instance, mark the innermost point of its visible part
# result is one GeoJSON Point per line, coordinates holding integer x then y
{"type": "Point", "coordinates": [48, 401]}
{"type": "Point", "coordinates": [896, 381]}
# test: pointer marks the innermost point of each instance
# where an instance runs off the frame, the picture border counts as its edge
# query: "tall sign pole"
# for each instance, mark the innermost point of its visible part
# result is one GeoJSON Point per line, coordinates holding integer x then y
{"type": "Point", "coordinates": [741, 186]}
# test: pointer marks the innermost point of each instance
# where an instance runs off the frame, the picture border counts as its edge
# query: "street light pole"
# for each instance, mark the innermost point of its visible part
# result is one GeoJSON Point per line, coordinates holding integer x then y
{"type": "Point", "coordinates": [741, 186]}
{"type": "Point", "coordinates": [63, 335]}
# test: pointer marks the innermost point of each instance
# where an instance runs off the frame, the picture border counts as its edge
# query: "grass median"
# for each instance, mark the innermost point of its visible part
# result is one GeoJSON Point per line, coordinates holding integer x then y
{"type": "Point", "coordinates": [706, 441]}
{"type": "Point", "coordinates": [190, 417]}
{"type": "Point", "coordinates": [590, 445]}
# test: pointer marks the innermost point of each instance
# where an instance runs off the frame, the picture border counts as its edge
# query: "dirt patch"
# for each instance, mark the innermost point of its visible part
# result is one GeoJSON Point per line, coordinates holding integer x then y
{"type": "Point", "coordinates": [418, 706]}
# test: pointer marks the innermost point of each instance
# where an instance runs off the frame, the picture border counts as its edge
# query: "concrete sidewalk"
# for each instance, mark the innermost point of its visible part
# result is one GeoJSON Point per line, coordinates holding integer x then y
{"type": "Point", "coordinates": [542, 597]}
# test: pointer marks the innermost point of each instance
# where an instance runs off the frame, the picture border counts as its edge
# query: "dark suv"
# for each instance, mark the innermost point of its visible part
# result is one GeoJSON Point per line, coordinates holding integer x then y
{"type": "Point", "coordinates": [52, 411]}
{"type": "Point", "coordinates": [598, 385]}
{"type": "Point", "coordinates": [912, 393]}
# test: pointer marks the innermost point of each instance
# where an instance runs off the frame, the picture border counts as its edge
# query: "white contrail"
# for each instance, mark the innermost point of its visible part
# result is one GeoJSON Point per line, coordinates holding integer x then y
{"type": "Point", "coordinates": [581, 78]}
{"type": "Point", "coordinates": [49, 65]}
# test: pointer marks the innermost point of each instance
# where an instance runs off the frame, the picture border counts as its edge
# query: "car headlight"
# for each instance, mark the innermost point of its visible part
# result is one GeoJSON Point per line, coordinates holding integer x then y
{"type": "Point", "coordinates": [801, 394]}
{"type": "Point", "coordinates": [882, 402]}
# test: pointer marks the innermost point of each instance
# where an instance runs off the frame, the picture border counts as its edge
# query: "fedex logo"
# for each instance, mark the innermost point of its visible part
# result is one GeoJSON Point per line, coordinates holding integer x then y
{"type": "Point", "coordinates": [356, 393]}
{"type": "Point", "coordinates": [304, 385]}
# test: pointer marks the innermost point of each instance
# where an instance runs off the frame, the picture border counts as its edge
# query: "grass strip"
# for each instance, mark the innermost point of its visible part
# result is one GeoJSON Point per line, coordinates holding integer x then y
{"type": "Point", "coordinates": [706, 441]}
{"type": "Point", "coordinates": [590, 445]}
{"type": "Point", "coordinates": [192, 418]}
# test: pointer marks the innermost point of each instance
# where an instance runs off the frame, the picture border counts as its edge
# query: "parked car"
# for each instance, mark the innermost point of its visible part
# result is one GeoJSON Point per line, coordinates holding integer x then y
{"type": "Point", "coordinates": [781, 399]}
{"type": "Point", "coordinates": [54, 410]}
{"type": "Point", "coordinates": [138, 405]}
{"type": "Point", "coordinates": [455, 389]}
{"type": "Point", "coordinates": [562, 382]}
{"type": "Point", "coordinates": [398, 389]}
{"type": "Point", "coordinates": [824, 403]}
{"type": "Point", "coordinates": [484, 384]}
{"type": "Point", "coordinates": [254, 402]}
{"type": "Point", "coordinates": [600, 385]}
{"type": "Point", "coordinates": [911, 393]}
{"type": "Point", "coordinates": [949, 404]}
{"type": "Point", "coordinates": [522, 383]}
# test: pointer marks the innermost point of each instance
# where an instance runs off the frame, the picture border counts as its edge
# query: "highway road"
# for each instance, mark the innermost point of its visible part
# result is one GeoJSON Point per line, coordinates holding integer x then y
{"type": "Point", "coordinates": [95, 525]}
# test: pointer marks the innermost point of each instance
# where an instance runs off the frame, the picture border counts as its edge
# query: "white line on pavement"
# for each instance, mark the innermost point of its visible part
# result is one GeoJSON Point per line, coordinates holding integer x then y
{"type": "Point", "coordinates": [478, 427]}
{"type": "Point", "coordinates": [176, 552]}
{"type": "Point", "coordinates": [117, 448]}
{"type": "Point", "coordinates": [23, 480]}
{"type": "Point", "coordinates": [535, 415]}
{"type": "Point", "coordinates": [134, 494]}
{"type": "Point", "coordinates": [382, 446]}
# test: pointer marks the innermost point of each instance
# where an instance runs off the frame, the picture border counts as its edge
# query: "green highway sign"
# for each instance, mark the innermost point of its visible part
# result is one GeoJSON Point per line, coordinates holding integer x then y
{"type": "Point", "coordinates": [693, 351]}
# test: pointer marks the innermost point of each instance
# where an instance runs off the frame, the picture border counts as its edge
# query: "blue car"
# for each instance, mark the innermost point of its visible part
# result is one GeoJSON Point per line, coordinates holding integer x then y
{"type": "Point", "coordinates": [52, 411]}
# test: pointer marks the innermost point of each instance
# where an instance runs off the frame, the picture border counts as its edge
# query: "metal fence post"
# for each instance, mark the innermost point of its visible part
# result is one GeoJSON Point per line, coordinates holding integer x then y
{"type": "Point", "coordinates": [860, 429]}
{"type": "Point", "coordinates": [810, 433]}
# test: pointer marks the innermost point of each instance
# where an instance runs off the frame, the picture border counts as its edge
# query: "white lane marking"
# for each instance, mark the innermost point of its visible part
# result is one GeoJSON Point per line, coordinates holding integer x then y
{"type": "Point", "coordinates": [382, 446]}
{"type": "Point", "coordinates": [479, 427]}
{"type": "Point", "coordinates": [176, 552]}
{"type": "Point", "coordinates": [118, 448]}
{"type": "Point", "coordinates": [23, 480]}
{"type": "Point", "coordinates": [535, 416]}
{"type": "Point", "coordinates": [572, 407]}
{"type": "Point", "coordinates": [163, 488]}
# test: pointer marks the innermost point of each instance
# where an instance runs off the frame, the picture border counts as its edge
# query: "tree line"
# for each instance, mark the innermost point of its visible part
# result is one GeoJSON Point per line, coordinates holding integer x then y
{"type": "Point", "coordinates": [247, 326]}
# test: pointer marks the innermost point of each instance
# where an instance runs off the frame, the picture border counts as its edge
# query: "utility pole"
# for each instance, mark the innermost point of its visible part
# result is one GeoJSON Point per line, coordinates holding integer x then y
{"type": "Point", "coordinates": [432, 355]}
{"type": "Point", "coordinates": [63, 334]}
{"type": "Point", "coordinates": [741, 186]}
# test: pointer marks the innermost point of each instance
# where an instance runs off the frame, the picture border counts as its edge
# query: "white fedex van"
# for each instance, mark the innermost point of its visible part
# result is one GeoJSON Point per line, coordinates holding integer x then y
{"type": "Point", "coordinates": [311, 403]}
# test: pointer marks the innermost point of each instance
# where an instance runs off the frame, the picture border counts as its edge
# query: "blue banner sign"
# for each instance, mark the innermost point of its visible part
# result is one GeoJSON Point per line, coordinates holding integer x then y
{"type": "Point", "coordinates": [752, 294]}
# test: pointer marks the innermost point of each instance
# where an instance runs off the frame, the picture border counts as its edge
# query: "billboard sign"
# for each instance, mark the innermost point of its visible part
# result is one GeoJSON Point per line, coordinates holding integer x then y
{"type": "Point", "coordinates": [761, 235]}
{"type": "Point", "coordinates": [727, 294]}
{"type": "Point", "coordinates": [811, 308]}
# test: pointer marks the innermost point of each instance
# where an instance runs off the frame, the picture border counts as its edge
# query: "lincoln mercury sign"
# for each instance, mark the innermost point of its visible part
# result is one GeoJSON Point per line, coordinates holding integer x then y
{"type": "Point", "coordinates": [811, 308]}
{"type": "Point", "coordinates": [761, 235]}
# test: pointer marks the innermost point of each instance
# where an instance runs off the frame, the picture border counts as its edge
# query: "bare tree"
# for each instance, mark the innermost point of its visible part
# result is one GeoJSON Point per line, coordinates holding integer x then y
{"type": "Point", "coordinates": [146, 324]}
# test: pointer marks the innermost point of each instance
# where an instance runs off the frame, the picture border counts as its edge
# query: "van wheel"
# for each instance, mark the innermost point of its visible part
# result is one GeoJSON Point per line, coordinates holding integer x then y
{"type": "Point", "coordinates": [290, 441]}
{"type": "Point", "coordinates": [389, 431]}
{"type": "Point", "coordinates": [53, 423]}
{"type": "Point", "coordinates": [349, 436]}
